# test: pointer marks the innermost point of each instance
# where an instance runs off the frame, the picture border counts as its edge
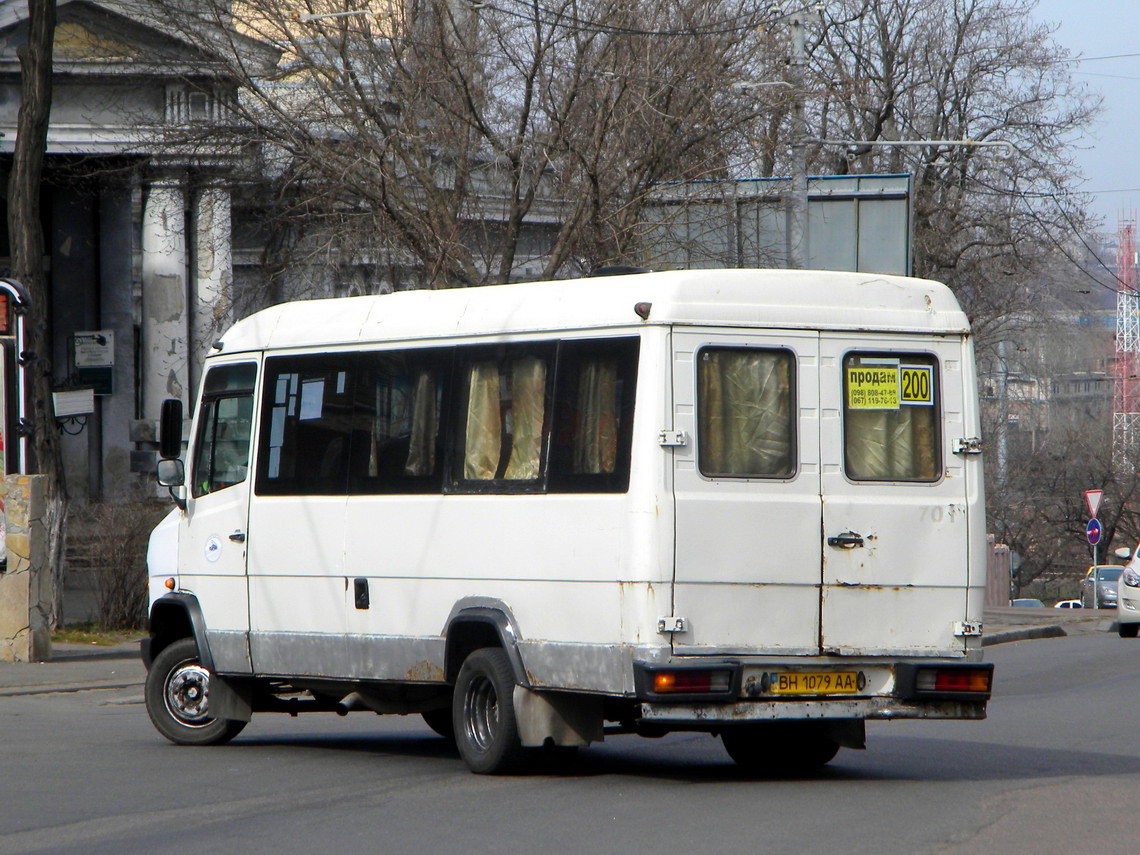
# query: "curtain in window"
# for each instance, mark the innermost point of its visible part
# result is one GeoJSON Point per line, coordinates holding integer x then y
{"type": "Point", "coordinates": [528, 408]}
{"type": "Point", "coordinates": [745, 418]}
{"type": "Point", "coordinates": [425, 420]}
{"type": "Point", "coordinates": [890, 445]}
{"type": "Point", "coordinates": [484, 423]}
{"type": "Point", "coordinates": [595, 437]}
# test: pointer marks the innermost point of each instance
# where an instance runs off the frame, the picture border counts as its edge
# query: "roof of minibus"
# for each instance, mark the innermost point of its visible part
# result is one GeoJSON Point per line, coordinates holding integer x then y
{"type": "Point", "coordinates": [774, 299]}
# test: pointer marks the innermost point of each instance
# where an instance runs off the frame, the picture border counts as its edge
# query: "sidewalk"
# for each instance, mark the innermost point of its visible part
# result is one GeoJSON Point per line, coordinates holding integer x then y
{"type": "Point", "coordinates": [75, 668]}
{"type": "Point", "coordinates": [81, 667]}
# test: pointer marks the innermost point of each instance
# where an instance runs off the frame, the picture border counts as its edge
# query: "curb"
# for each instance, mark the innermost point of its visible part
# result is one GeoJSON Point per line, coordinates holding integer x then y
{"type": "Point", "coordinates": [1023, 634]}
{"type": "Point", "coordinates": [64, 688]}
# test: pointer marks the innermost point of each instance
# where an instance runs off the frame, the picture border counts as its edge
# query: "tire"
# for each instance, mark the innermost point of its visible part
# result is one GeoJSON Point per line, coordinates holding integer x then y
{"type": "Point", "coordinates": [441, 722]}
{"type": "Point", "coordinates": [779, 748]}
{"type": "Point", "coordinates": [483, 714]}
{"type": "Point", "coordinates": [1128, 630]}
{"type": "Point", "coordinates": [178, 698]}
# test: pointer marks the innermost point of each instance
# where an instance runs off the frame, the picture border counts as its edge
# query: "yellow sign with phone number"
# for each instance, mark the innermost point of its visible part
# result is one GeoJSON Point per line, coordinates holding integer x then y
{"type": "Point", "coordinates": [888, 387]}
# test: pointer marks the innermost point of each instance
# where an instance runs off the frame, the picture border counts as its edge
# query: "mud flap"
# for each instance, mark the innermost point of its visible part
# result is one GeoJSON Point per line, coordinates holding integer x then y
{"type": "Point", "coordinates": [848, 733]}
{"type": "Point", "coordinates": [565, 719]}
{"type": "Point", "coordinates": [230, 699]}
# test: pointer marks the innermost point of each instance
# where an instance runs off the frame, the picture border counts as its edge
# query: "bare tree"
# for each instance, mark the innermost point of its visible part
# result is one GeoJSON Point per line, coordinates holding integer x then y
{"type": "Point", "coordinates": [981, 70]}
{"type": "Point", "coordinates": [455, 144]}
{"type": "Point", "coordinates": [27, 254]}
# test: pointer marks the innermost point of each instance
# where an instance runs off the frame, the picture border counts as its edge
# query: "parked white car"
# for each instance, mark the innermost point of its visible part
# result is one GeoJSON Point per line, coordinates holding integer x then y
{"type": "Point", "coordinates": [1128, 595]}
{"type": "Point", "coordinates": [1068, 604]}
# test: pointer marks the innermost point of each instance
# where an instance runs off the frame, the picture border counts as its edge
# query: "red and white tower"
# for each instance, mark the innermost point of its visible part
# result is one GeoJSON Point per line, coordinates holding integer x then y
{"type": "Point", "coordinates": [1126, 393]}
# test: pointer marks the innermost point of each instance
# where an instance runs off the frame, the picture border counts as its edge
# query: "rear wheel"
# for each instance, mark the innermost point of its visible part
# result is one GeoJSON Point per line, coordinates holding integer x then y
{"type": "Point", "coordinates": [441, 722]}
{"type": "Point", "coordinates": [483, 714]}
{"type": "Point", "coordinates": [178, 698]}
{"type": "Point", "coordinates": [780, 748]}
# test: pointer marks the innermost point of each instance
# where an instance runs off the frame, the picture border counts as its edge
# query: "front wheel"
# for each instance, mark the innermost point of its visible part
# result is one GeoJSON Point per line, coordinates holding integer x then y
{"type": "Point", "coordinates": [483, 713]}
{"type": "Point", "coordinates": [1128, 630]}
{"type": "Point", "coordinates": [178, 698]}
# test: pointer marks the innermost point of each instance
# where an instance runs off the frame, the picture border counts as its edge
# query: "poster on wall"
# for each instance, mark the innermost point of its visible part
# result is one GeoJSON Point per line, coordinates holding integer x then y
{"type": "Point", "coordinates": [95, 359]}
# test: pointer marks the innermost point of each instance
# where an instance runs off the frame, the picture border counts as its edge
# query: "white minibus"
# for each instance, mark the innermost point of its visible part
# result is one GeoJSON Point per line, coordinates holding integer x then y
{"type": "Point", "coordinates": [741, 502]}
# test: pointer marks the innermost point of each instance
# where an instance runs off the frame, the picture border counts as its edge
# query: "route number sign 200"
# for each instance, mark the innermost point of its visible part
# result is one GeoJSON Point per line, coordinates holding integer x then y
{"type": "Point", "coordinates": [917, 385]}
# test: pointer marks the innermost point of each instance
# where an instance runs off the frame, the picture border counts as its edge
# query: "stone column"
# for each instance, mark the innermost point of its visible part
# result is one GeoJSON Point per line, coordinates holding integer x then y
{"type": "Point", "coordinates": [26, 594]}
{"type": "Point", "coordinates": [117, 312]}
{"type": "Point", "coordinates": [164, 372]}
{"type": "Point", "coordinates": [213, 275]}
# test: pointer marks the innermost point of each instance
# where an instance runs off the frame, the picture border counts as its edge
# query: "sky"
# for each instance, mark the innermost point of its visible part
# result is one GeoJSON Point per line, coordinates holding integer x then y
{"type": "Point", "coordinates": [1111, 157]}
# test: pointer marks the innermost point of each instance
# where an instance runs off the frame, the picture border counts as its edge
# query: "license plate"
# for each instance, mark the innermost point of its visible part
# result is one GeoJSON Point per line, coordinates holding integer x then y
{"type": "Point", "coordinates": [814, 683]}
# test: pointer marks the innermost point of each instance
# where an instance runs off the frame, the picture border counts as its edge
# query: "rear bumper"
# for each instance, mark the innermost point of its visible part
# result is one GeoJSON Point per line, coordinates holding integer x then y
{"type": "Point", "coordinates": [747, 691]}
{"type": "Point", "coordinates": [701, 716]}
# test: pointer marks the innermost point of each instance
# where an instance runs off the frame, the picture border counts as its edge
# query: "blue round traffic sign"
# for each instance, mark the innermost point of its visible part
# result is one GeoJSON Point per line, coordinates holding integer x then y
{"type": "Point", "coordinates": [1093, 531]}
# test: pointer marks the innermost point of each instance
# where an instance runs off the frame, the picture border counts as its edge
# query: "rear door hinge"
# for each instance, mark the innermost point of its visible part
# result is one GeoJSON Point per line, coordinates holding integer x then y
{"type": "Point", "coordinates": [967, 628]}
{"type": "Point", "coordinates": [672, 438]}
{"type": "Point", "coordinates": [969, 445]}
{"type": "Point", "coordinates": [671, 624]}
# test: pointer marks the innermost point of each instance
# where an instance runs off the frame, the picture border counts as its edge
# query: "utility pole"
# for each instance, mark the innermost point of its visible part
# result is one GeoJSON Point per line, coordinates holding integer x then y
{"type": "Point", "coordinates": [798, 200]}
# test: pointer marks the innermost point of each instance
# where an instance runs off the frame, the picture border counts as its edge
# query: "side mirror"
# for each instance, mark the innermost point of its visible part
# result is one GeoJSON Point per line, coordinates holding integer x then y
{"type": "Point", "coordinates": [1123, 552]}
{"type": "Point", "coordinates": [170, 430]}
{"type": "Point", "coordinates": [171, 474]}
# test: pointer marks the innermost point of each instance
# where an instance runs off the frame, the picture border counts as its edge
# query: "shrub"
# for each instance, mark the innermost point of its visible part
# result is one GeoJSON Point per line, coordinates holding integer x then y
{"type": "Point", "coordinates": [115, 538]}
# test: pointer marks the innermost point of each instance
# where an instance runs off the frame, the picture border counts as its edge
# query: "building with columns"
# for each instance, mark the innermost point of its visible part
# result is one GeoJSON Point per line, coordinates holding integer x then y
{"type": "Point", "coordinates": [138, 234]}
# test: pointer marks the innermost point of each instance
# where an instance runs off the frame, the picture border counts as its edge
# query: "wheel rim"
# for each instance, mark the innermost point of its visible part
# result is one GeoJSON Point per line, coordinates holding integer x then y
{"type": "Point", "coordinates": [188, 694]}
{"type": "Point", "coordinates": [481, 713]}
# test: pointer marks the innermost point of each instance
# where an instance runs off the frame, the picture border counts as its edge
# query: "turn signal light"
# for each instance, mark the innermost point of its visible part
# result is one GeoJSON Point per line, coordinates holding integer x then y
{"type": "Point", "coordinates": [954, 680]}
{"type": "Point", "coordinates": [169, 583]}
{"type": "Point", "coordinates": [691, 682]}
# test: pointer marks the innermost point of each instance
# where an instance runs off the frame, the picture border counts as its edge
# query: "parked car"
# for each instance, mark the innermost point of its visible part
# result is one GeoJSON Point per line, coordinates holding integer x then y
{"type": "Point", "coordinates": [1107, 576]}
{"type": "Point", "coordinates": [1068, 604]}
{"type": "Point", "coordinates": [1027, 602]}
{"type": "Point", "coordinates": [1128, 595]}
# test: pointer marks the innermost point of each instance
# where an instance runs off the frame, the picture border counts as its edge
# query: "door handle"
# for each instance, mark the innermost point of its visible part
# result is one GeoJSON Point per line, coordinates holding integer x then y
{"type": "Point", "coordinates": [238, 537]}
{"type": "Point", "coordinates": [847, 540]}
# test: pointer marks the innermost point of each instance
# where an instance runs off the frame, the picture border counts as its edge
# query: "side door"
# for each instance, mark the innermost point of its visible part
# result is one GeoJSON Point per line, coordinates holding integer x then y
{"type": "Point", "coordinates": [297, 514]}
{"type": "Point", "coordinates": [895, 496]}
{"type": "Point", "coordinates": [747, 491]}
{"type": "Point", "coordinates": [212, 540]}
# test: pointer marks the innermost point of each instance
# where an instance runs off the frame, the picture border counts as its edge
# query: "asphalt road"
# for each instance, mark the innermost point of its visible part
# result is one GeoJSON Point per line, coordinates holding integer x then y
{"type": "Point", "coordinates": [1054, 769]}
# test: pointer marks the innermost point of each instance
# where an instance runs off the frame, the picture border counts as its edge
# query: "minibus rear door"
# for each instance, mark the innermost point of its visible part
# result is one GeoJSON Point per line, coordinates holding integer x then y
{"type": "Point", "coordinates": [895, 496]}
{"type": "Point", "coordinates": [747, 492]}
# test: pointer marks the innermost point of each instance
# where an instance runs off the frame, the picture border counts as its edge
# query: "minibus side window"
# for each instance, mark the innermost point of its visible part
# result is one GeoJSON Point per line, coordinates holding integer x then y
{"type": "Point", "coordinates": [745, 413]}
{"type": "Point", "coordinates": [306, 424]}
{"type": "Point", "coordinates": [396, 440]}
{"type": "Point", "coordinates": [221, 452]}
{"type": "Point", "coordinates": [505, 417]}
{"type": "Point", "coordinates": [891, 418]}
{"type": "Point", "coordinates": [593, 421]}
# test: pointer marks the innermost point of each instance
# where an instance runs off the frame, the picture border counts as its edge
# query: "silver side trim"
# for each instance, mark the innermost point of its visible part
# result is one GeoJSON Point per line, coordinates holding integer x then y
{"type": "Point", "coordinates": [606, 668]}
{"type": "Point", "coordinates": [352, 657]}
{"type": "Point", "coordinates": [601, 668]}
{"type": "Point", "coordinates": [230, 650]}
